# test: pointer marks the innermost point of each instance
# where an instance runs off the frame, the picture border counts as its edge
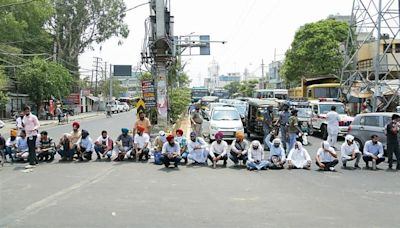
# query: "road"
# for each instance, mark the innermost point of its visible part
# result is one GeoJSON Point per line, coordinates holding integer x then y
{"type": "Point", "coordinates": [128, 194]}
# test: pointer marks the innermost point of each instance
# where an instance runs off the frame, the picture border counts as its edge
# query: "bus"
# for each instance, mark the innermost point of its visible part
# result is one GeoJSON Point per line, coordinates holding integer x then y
{"type": "Point", "coordinates": [199, 92]}
{"type": "Point", "coordinates": [221, 93]}
{"type": "Point", "coordinates": [280, 94]}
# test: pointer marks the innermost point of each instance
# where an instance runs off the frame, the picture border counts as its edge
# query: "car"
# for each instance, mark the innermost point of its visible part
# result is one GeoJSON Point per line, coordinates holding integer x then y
{"type": "Point", "coordinates": [226, 120]}
{"type": "Point", "coordinates": [211, 106]}
{"type": "Point", "coordinates": [319, 122]}
{"type": "Point", "coordinates": [365, 125]}
{"type": "Point", "coordinates": [114, 106]}
{"type": "Point", "coordinates": [125, 106]}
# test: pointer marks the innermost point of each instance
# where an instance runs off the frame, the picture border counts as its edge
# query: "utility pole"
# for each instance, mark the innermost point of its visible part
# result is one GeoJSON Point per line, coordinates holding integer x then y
{"type": "Point", "coordinates": [263, 81]}
{"type": "Point", "coordinates": [105, 71]}
{"type": "Point", "coordinates": [97, 61]}
{"type": "Point", "coordinates": [377, 60]}
{"type": "Point", "coordinates": [111, 83]}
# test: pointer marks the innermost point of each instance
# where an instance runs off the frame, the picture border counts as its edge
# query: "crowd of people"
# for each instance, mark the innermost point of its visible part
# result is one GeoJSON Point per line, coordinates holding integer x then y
{"type": "Point", "coordinates": [27, 144]}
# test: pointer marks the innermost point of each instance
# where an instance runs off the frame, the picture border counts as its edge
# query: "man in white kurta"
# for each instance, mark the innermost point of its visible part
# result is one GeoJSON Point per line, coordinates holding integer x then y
{"type": "Point", "coordinates": [333, 119]}
{"type": "Point", "coordinates": [350, 151]}
{"type": "Point", "coordinates": [256, 157]}
{"type": "Point", "coordinates": [277, 157]}
{"type": "Point", "coordinates": [298, 157]}
{"type": "Point", "coordinates": [197, 148]}
{"type": "Point", "coordinates": [218, 150]}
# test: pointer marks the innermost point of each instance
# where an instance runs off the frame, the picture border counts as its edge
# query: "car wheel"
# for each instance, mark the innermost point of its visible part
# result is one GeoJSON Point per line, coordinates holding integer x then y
{"type": "Point", "coordinates": [324, 132]}
{"type": "Point", "coordinates": [359, 144]}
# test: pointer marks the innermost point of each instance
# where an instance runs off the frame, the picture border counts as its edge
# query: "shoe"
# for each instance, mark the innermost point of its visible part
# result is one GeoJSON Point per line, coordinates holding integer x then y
{"type": "Point", "coordinates": [29, 166]}
{"type": "Point", "coordinates": [176, 165]}
{"type": "Point", "coordinates": [373, 165]}
{"type": "Point", "coordinates": [344, 165]}
{"type": "Point", "coordinates": [166, 165]}
{"type": "Point", "coordinates": [357, 167]}
{"type": "Point", "coordinates": [332, 169]}
{"type": "Point", "coordinates": [214, 165]}
{"type": "Point", "coordinates": [225, 163]}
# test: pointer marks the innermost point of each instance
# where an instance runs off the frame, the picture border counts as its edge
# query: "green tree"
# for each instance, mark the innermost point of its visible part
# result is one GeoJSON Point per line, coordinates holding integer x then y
{"type": "Point", "coordinates": [247, 87]}
{"type": "Point", "coordinates": [179, 98]}
{"type": "Point", "coordinates": [315, 50]}
{"type": "Point", "coordinates": [176, 75]}
{"type": "Point", "coordinates": [42, 79]}
{"type": "Point", "coordinates": [3, 84]}
{"type": "Point", "coordinates": [117, 89]}
{"type": "Point", "coordinates": [77, 24]}
{"type": "Point", "coordinates": [233, 87]}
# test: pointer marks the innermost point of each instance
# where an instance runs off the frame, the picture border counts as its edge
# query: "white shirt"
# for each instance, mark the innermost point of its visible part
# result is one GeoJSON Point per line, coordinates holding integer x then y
{"type": "Point", "coordinates": [275, 151]}
{"type": "Point", "coordinates": [199, 142]}
{"type": "Point", "coordinates": [347, 150]}
{"type": "Point", "coordinates": [219, 148]}
{"type": "Point", "coordinates": [299, 157]}
{"type": "Point", "coordinates": [256, 155]}
{"type": "Point", "coordinates": [333, 119]}
{"type": "Point", "coordinates": [140, 141]}
{"type": "Point", "coordinates": [104, 141]}
{"type": "Point", "coordinates": [31, 125]}
{"type": "Point", "coordinates": [325, 156]}
{"type": "Point", "coordinates": [10, 143]}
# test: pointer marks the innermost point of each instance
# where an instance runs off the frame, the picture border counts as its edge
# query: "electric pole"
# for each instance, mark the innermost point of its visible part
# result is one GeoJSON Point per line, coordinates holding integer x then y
{"type": "Point", "coordinates": [263, 81]}
{"type": "Point", "coordinates": [97, 61]}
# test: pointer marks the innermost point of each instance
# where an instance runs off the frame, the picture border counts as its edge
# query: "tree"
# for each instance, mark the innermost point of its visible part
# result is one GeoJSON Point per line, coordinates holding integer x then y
{"type": "Point", "coordinates": [3, 84]}
{"type": "Point", "coordinates": [117, 89]}
{"type": "Point", "coordinates": [176, 75]}
{"type": "Point", "coordinates": [315, 50]}
{"type": "Point", "coordinates": [179, 98]}
{"type": "Point", "coordinates": [42, 79]}
{"type": "Point", "coordinates": [247, 87]}
{"type": "Point", "coordinates": [233, 87]}
{"type": "Point", "coordinates": [77, 24]}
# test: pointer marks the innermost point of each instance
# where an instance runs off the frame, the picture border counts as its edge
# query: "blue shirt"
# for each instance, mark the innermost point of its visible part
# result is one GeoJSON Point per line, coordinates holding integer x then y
{"type": "Point", "coordinates": [22, 144]}
{"type": "Point", "coordinates": [373, 149]}
{"type": "Point", "coordinates": [87, 144]}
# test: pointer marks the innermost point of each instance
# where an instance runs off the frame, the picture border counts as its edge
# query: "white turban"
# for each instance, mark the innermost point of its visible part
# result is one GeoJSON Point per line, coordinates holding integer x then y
{"type": "Point", "coordinates": [349, 138]}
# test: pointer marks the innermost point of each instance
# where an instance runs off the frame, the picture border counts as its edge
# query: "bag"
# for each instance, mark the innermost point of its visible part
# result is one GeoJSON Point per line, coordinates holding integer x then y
{"type": "Point", "coordinates": [157, 159]}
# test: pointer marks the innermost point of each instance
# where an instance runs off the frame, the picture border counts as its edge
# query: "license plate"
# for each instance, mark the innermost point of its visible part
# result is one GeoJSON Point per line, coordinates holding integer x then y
{"type": "Point", "coordinates": [228, 133]}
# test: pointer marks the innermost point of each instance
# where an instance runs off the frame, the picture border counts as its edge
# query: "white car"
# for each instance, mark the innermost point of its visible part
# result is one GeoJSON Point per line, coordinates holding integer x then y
{"type": "Point", "coordinates": [226, 120]}
{"type": "Point", "coordinates": [125, 106]}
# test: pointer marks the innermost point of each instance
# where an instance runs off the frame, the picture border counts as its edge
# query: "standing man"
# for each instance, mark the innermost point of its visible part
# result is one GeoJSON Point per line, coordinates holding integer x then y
{"type": "Point", "coordinates": [267, 121]}
{"type": "Point", "coordinates": [31, 125]}
{"type": "Point", "coordinates": [350, 151]}
{"type": "Point", "coordinates": [373, 152]}
{"type": "Point", "coordinates": [170, 152]}
{"type": "Point", "coordinates": [392, 130]}
{"type": "Point", "coordinates": [293, 129]}
{"type": "Point", "coordinates": [218, 150]}
{"type": "Point", "coordinates": [141, 144]}
{"type": "Point", "coordinates": [326, 158]}
{"type": "Point", "coordinates": [59, 113]}
{"type": "Point", "coordinates": [144, 122]}
{"type": "Point", "coordinates": [239, 149]}
{"type": "Point", "coordinates": [333, 119]}
{"type": "Point", "coordinates": [196, 120]}
{"type": "Point", "coordinates": [283, 125]}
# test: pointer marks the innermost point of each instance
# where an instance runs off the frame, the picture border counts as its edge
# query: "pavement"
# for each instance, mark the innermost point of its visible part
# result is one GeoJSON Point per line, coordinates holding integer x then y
{"type": "Point", "coordinates": [129, 194]}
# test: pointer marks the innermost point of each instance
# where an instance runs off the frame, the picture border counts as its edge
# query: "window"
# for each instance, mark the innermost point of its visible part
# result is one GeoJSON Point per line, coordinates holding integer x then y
{"type": "Point", "coordinates": [386, 120]}
{"type": "Point", "coordinates": [315, 109]}
{"type": "Point", "coordinates": [370, 121]}
{"type": "Point", "coordinates": [397, 48]}
{"type": "Point", "coordinates": [387, 48]}
{"type": "Point", "coordinates": [225, 115]}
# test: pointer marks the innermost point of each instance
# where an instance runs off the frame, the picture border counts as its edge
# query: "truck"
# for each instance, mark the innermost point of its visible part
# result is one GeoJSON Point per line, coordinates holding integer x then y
{"type": "Point", "coordinates": [199, 92]}
{"type": "Point", "coordinates": [314, 88]}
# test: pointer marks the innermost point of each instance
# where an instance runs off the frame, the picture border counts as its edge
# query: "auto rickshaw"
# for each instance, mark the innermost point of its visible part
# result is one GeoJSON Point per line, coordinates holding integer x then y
{"type": "Point", "coordinates": [255, 117]}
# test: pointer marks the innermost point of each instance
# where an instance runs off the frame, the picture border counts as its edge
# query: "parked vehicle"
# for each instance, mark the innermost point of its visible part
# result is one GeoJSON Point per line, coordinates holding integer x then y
{"type": "Point", "coordinates": [319, 122]}
{"type": "Point", "coordinates": [114, 106]}
{"type": "Point", "coordinates": [125, 106]}
{"type": "Point", "coordinates": [199, 92]}
{"type": "Point", "coordinates": [255, 116]}
{"type": "Point", "coordinates": [304, 115]}
{"type": "Point", "coordinates": [211, 106]}
{"type": "Point", "coordinates": [365, 125]}
{"type": "Point", "coordinates": [226, 120]}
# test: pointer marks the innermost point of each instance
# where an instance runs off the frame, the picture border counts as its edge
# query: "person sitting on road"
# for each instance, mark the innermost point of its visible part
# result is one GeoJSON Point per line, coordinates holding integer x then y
{"type": "Point", "coordinates": [349, 151]}
{"type": "Point", "coordinates": [182, 141]}
{"type": "Point", "coordinates": [22, 150]}
{"type": "Point", "coordinates": [277, 156]}
{"type": "Point", "coordinates": [75, 135]}
{"type": "Point", "coordinates": [256, 157]}
{"type": "Point", "coordinates": [298, 157]}
{"type": "Point", "coordinates": [11, 144]}
{"type": "Point", "coordinates": [373, 152]}
{"type": "Point", "coordinates": [124, 144]}
{"type": "Point", "coordinates": [141, 144]}
{"type": "Point", "coordinates": [239, 149]}
{"type": "Point", "coordinates": [159, 142]}
{"type": "Point", "coordinates": [65, 148]}
{"type": "Point", "coordinates": [46, 148]}
{"type": "Point", "coordinates": [103, 146]}
{"type": "Point", "coordinates": [218, 150]}
{"type": "Point", "coordinates": [85, 146]}
{"type": "Point", "coordinates": [170, 152]}
{"type": "Point", "coordinates": [197, 148]}
{"type": "Point", "coordinates": [326, 157]}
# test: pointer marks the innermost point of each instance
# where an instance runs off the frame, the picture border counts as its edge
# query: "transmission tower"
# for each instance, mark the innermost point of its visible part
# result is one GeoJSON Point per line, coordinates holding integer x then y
{"type": "Point", "coordinates": [372, 53]}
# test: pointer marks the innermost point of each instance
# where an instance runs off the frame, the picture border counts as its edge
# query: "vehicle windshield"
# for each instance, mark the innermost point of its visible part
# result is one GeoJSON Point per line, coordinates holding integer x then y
{"type": "Point", "coordinates": [225, 115]}
{"type": "Point", "coordinates": [241, 109]}
{"type": "Point", "coordinates": [325, 108]}
{"type": "Point", "coordinates": [281, 96]}
{"type": "Point", "coordinates": [304, 112]}
{"type": "Point", "coordinates": [199, 93]}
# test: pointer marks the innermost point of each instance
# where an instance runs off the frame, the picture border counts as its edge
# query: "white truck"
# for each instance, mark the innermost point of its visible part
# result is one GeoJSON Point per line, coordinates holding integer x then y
{"type": "Point", "coordinates": [319, 121]}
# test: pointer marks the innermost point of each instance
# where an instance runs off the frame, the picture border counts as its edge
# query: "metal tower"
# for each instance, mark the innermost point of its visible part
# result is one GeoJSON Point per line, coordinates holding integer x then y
{"type": "Point", "coordinates": [371, 67]}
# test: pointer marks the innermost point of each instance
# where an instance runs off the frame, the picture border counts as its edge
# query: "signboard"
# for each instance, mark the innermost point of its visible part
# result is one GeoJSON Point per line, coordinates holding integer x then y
{"type": "Point", "coordinates": [149, 93]}
{"type": "Point", "coordinates": [122, 70]}
{"type": "Point", "coordinates": [72, 99]}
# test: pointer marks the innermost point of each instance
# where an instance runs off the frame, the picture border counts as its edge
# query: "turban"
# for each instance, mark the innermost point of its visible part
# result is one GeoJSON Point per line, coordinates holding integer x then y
{"type": "Point", "coordinates": [325, 145]}
{"type": "Point", "coordinates": [76, 124]}
{"type": "Point", "coordinates": [140, 128]}
{"type": "Point", "coordinates": [239, 135]}
{"type": "Point", "coordinates": [170, 138]}
{"type": "Point", "coordinates": [276, 141]}
{"type": "Point", "coordinates": [219, 135]}
{"type": "Point", "coordinates": [193, 134]}
{"type": "Point", "coordinates": [13, 132]}
{"type": "Point", "coordinates": [349, 138]}
{"type": "Point", "coordinates": [179, 131]}
{"type": "Point", "coordinates": [125, 130]}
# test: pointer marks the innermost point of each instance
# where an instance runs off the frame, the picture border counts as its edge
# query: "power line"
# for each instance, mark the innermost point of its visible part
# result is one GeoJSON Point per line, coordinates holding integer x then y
{"type": "Point", "coordinates": [17, 3]}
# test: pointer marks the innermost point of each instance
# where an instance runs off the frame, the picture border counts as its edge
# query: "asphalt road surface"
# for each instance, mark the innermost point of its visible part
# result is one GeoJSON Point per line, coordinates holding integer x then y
{"type": "Point", "coordinates": [128, 194]}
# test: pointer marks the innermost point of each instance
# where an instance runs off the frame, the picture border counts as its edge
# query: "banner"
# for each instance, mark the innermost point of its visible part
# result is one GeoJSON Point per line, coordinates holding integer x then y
{"type": "Point", "coordinates": [149, 93]}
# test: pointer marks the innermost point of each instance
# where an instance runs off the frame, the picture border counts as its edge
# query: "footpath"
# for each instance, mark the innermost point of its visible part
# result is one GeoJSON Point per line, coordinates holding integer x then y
{"type": "Point", "coordinates": [10, 123]}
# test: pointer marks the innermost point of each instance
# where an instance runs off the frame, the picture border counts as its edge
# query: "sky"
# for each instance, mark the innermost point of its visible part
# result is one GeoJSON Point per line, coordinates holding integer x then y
{"type": "Point", "coordinates": [254, 30]}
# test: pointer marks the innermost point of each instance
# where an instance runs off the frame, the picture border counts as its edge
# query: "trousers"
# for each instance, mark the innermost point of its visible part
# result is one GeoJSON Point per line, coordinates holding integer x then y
{"type": "Point", "coordinates": [393, 148]}
{"type": "Point", "coordinates": [32, 150]}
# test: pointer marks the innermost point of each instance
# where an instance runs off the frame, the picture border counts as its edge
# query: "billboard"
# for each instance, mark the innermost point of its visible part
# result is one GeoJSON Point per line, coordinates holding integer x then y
{"type": "Point", "coordinates": [149, 93]}
{"type": "Point", "coordinates": [122, 70]}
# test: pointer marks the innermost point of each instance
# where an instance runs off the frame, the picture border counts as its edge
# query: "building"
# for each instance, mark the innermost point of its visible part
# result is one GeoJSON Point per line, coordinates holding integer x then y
{"type": "Point", "coordinates": [213, 74]}
{"type": "Point", "coordinates": [226, 79]}
{"type": "Point", "coordinates": [275, 80]}
{"type": "Point", "coordinates": [130, 83]}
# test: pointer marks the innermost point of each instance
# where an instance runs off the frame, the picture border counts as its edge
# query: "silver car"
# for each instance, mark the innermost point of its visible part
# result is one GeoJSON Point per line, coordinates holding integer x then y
{"type": "Point", "coordinates": [365, 125]}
